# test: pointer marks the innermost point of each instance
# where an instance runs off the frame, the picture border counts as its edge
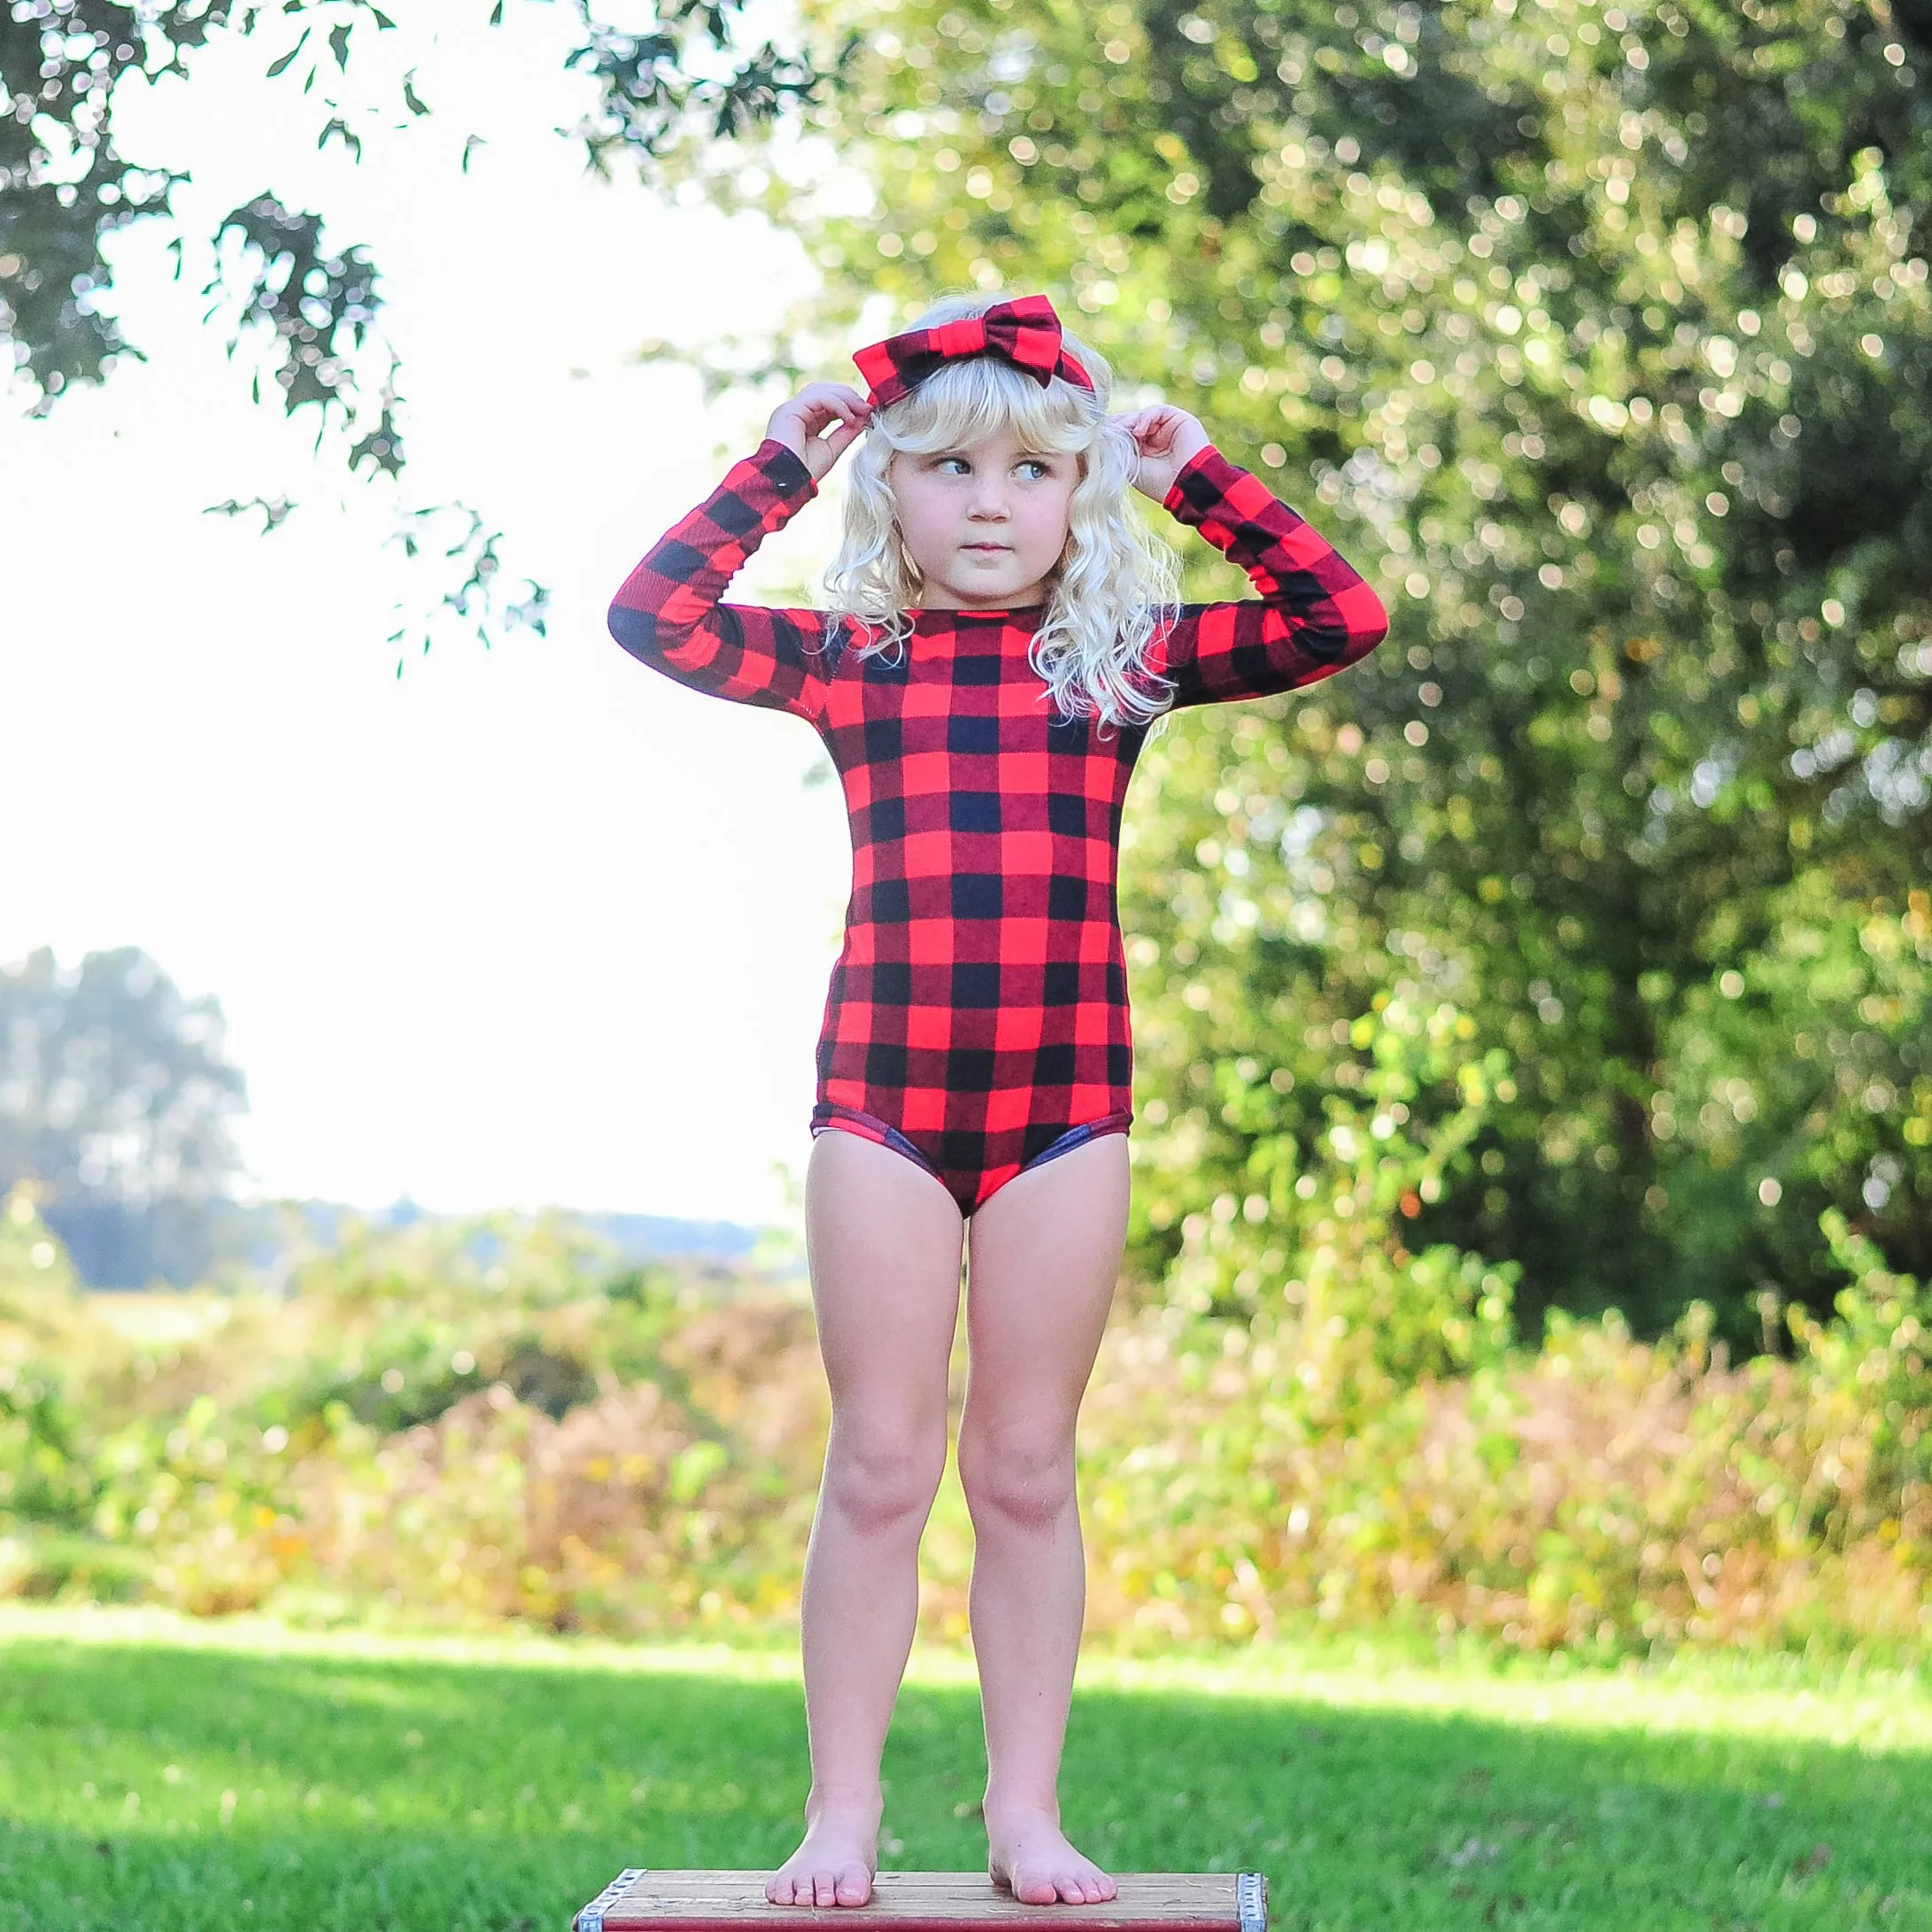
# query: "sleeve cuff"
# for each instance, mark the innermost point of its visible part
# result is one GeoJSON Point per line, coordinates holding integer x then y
{"type": "Point", "coordinates": [1209, 466]}
{"type": "Point", "coordinates": [784, 469]}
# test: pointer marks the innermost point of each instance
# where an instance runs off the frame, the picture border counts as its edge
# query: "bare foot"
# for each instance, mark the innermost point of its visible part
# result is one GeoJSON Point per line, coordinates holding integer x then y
{"type": "Point", "coordinates": [835, 1863]}
{"type": "Point", "coordinates": [1027, 1852]}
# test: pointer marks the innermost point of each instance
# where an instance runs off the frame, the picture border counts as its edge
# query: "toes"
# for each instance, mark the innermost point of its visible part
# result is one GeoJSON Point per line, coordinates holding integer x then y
{"type": "Point", "coordinates": [854, 1886]}
{"type": "Point", "coordinates": [1066, 1889]}
{"type": "Point", "coordinates": [824, 1888]}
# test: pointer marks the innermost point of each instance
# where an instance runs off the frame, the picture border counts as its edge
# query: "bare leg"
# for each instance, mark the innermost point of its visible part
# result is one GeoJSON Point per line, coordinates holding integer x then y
{"type": "Point", "coordinates": [1045, 1252]}
{"type": "Point", "coordinates": [885, 1242]}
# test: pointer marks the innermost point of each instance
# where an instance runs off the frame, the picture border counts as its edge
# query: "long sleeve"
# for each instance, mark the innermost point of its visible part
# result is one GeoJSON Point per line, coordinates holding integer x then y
{"type": "Point", "coordinates": [1314, 617]}
{"type": "Point", "coordinates": [668, 616]}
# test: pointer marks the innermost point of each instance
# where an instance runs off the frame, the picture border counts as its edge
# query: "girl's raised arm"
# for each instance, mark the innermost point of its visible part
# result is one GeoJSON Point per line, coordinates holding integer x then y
{"type": "Point", "coordinates": [1314, 617]}
{"type": "Point", "coordinates": [668, 613]}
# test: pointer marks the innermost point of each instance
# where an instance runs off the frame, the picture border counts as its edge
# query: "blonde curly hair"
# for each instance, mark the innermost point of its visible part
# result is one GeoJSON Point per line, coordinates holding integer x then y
{"type": "Point", "coordinates": [1113, 593]}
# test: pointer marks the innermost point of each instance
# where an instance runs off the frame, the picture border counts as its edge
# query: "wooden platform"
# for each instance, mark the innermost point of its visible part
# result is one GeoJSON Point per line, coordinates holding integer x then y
{"type": "Point", "coordinates": [641, 1901]}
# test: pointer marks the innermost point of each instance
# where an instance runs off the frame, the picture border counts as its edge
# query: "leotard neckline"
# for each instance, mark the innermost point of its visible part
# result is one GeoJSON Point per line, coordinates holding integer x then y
{"type": "Point", "coordinates": [940, 617]}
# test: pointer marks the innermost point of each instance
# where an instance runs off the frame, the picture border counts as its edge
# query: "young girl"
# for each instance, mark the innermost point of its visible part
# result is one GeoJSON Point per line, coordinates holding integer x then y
{"type": "Point", "coordinates": [1002, 637]}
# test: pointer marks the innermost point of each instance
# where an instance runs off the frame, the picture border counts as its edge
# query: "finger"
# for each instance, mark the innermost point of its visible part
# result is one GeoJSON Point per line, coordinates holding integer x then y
{"type": "Point", "coordinates": [836, 409]}
{"type": "Point", "coordinates": [845, 436]}
{"type": "Point", "coordinates": [838, 398]}
{"type": "Point", "coordinates": [837, 433]}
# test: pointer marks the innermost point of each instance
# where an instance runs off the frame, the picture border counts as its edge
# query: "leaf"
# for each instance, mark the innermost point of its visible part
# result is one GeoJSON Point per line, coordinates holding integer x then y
{"type": "Point", "coordinates": [350, 140]}
{"type": "Point", "coordinates": [277, 68]}
{"type": "Point", "coordinates": [338, 43]}
{"type": "Point", "coordinates": [471, 143]}
{"type": "Point", "coordinates": [411, 99]}
{"type": "Point", "coordinates": [496, 14]}
{"type": "Point", "coordinates": [275, 510]}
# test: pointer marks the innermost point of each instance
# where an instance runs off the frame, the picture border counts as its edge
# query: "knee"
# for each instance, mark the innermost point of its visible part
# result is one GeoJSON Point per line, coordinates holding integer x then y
{"type": "Point", "coordinates": [1018, 1477]}
{"type": "Point", "coordinates": [880, 1478]}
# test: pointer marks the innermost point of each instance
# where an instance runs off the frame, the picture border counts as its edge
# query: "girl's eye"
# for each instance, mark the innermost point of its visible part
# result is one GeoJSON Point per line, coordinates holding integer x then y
{"type": "Point", "coordinates": [954, 466]}
{"type": "Point", "coordinates": [1036, 468]}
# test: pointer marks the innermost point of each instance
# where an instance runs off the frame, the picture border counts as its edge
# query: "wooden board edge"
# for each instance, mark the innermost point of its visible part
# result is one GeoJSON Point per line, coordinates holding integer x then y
{"type": "Point", "coordinates": [590, 1917]}
{"type": "Point", "coordinates": [1250, 1892]}
{"type": "Point", "coordinates": [816, 1917]}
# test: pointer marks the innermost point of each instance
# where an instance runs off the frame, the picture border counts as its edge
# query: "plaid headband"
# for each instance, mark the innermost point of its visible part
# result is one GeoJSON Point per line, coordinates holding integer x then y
{"type": "Point", "coordinates": [1025, 332]}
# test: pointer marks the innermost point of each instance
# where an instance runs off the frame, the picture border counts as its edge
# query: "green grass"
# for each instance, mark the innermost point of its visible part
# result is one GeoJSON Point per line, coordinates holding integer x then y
{"type": "Point", "coordinates": [156, 1777]}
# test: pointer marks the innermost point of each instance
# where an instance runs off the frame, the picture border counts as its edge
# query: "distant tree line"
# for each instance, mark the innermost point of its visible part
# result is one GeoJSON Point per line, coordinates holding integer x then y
{"type": "Point", "coordinates": [116, 1097]}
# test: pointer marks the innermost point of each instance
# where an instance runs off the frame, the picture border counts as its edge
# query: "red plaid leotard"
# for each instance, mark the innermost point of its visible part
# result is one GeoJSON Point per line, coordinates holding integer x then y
{"type": "Point", "coordinates": [977, 1020]}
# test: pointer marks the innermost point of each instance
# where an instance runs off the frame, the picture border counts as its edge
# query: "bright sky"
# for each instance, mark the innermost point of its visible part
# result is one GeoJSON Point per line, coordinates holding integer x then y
{"type": "Point", "coordinates": [527, 926]}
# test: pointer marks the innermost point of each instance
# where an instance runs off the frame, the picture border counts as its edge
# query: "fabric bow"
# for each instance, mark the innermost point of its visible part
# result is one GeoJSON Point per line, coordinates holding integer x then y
{"type": "Point", "coordinates": [1025, 332]}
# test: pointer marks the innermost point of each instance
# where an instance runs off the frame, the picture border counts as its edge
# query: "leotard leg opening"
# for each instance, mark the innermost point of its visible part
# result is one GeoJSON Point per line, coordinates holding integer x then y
{"type": "Point", "coordinates": [970, 1188]}
{"type": "Point", "coordinates": [1074, 1137]}
{"type": "Point", "coordinates": [829, 1113]}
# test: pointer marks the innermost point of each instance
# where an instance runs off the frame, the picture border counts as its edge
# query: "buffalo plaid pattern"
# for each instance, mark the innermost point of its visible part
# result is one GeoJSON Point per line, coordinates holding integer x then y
{"type": "Point", "coordinates": [978, 1015]}
{"type": "Point", "coordinates": [1026, 332]}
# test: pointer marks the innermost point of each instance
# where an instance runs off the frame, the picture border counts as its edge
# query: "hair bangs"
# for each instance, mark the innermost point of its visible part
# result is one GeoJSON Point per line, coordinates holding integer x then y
{"type": "Point", "coordinates": [966, 402]}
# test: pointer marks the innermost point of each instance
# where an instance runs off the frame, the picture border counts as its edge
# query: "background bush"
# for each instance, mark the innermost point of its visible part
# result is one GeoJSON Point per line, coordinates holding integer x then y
{"type": "Point", "coordinates": [474, 1426]}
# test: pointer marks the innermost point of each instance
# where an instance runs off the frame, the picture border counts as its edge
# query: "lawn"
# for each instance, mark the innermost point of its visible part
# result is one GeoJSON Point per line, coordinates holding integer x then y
{"type": "Point", "coordinates": [156, 1777]}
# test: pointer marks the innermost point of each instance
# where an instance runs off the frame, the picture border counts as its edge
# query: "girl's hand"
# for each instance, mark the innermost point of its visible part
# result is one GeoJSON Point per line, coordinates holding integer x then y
{"type": "Point", "coordinates": [798, 424]}
{"type": "Point", "coordinates": [1166, 439]}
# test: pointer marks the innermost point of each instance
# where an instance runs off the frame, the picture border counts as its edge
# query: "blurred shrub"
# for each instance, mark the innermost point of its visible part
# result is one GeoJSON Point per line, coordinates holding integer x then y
{"type": "Point", "coordinates": [497, 1425]}
{"type": "Point", "coordinates": [42, 1317]}
{"type": "Point", "coordinates": [1600, 1494]}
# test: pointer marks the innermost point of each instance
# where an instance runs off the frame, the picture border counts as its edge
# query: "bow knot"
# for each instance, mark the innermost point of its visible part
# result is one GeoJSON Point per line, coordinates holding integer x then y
{"type": "Point", "coordinates": [1025, 333]}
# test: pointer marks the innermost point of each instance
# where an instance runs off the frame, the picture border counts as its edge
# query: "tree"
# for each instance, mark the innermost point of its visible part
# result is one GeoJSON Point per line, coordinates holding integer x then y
{"type": "Point", "coordinates": [115, 1100]}
{"type": "Point", "coordinates": [1600, 336]}
{"type": "Point", "coordinates": [312, 305]}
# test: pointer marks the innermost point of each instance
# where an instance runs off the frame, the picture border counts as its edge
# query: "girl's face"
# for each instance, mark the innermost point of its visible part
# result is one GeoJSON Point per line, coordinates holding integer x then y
{"type": "Point", "coordinates": [986, 522]}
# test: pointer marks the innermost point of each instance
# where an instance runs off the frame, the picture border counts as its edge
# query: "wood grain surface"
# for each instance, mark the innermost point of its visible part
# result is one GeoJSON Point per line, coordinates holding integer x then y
{"type": "Point", "coordinates": [919, 1902]}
